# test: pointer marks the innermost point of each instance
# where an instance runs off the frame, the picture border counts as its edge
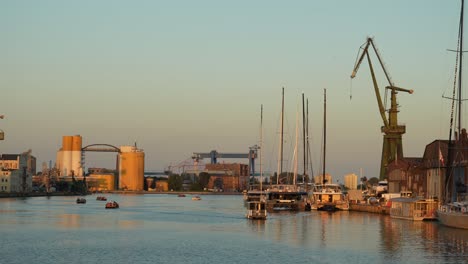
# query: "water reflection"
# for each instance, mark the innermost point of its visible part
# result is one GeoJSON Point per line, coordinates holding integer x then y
{"type": "Point", "coordinates": [325, 237]}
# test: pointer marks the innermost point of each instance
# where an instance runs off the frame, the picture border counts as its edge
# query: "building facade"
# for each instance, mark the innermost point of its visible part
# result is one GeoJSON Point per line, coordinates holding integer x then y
{"type": "Point", "coordinates": [228, 176]}
{"type": "Point", "coordinates": [16, 172]}
{"type": "Point", "coordinates": [350, 181]}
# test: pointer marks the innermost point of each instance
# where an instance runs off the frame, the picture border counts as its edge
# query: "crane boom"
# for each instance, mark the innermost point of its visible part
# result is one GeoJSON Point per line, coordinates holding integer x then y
{"type": "Point", "coordinates": [392, 145]}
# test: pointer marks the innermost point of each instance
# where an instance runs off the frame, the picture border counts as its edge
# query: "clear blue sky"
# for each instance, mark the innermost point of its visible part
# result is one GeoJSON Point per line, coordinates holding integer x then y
{"type": "Point", "coordinates": [189, 76]}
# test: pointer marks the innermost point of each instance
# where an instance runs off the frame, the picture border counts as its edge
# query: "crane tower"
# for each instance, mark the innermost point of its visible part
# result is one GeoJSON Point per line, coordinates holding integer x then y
{"type": "Point", "coordinates": [392, 140]}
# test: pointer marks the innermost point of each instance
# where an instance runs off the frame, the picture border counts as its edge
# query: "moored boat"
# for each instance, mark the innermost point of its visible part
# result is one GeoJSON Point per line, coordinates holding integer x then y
{"type": "Point", "coordinates": [256, 210]}
{"type": "Point", "coordinates": [453, 211]}
{"type": "Point", "coordinates": [112, 205]}
{"type": "Point", "coordinates": [454, 215]}
{"type": "Point", "coordinates": [80, 200]}
{"type": "Point", "coordinates": [196, 198]}
{"type": "Point", "coordinates": [329, 197]}
{"type": "Point", "coordinates": [101, 198]}
{"type": "Point", "coordinates": [283, 197]}
{"type": "Point", "coordinates": [181, 195]}
{"type": "Point", "coordinates": [416, 209]}
{"type": "Point", "coordinates": [253, 194]}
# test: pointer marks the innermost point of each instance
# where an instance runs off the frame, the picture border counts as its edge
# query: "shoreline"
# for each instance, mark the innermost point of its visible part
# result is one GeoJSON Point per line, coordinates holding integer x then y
{"type": "Point", "coordinates": [43, 194]}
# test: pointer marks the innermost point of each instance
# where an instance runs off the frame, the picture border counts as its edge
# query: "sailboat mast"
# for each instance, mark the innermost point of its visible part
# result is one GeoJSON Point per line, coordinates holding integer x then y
{"type": "Point", "coordinates": [296, 148]}
{"type": "Point", "coordinates": [280, 163]}
{"type": "Point", "coordinates": [304, 138]}
{"type": "Point", "coordinates": [282, 130]}
{"type": "Point", "coordinates": [261, 147]}
{"type": "Point", "coordinates": [449, 191]}
{"type": "Point", "coordinates": [324, 132]}
{"type": "Point", "coordinates": [460, 50]}
{"type": "Point", "coordinates": [308, 144]}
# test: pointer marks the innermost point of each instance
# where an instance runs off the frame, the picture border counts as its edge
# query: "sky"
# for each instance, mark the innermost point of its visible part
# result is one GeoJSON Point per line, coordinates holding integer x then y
{"type": "Point", "coordinates": [178, 77]}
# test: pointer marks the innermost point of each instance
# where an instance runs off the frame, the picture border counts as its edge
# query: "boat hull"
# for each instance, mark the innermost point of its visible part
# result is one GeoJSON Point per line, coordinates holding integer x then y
{"type": "Point", "coordinates": [453, 219]}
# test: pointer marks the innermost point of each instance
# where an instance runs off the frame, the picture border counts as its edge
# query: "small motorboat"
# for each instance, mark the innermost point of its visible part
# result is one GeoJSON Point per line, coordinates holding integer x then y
{"type": "Point", "coordinates": [112, 205]}
{"type": "Point", "coordinates": [101, 198]}
{"type": "Point", "coordinates": [196, 198]}
{"type": "Point", "coordinates": [181, 195]}
{"type": "Point", "coordinates": [80, 200]}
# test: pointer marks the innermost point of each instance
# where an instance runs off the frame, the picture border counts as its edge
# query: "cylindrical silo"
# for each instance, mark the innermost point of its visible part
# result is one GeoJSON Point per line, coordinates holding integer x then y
{"type": "Point", "coordinates": [131, 168]}
{"type": "Point", "coordinates": [76, 155]}
{"type": "Point", "coordinates": [67, 155]}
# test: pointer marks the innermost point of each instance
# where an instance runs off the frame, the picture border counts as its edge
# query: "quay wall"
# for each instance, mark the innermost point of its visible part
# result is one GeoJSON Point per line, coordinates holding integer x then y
{"type": "Point", "coordinates": [378, 209]}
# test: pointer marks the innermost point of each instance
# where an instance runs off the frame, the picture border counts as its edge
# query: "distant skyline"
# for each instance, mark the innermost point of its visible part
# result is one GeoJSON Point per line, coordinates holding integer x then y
{"type": "Point", "coordinates": [178, 77]}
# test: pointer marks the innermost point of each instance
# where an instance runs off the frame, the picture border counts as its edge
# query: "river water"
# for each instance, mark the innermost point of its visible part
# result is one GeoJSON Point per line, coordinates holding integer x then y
{"type": "Point", "coordinates": [162, 228]}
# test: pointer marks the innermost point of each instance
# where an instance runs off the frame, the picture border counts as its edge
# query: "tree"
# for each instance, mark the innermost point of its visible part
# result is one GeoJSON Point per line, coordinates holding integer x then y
{"type": "Point", "coordinates": [175, 182]}
{"type": "Point", "coordinates": [204, 179]}
{"type": "Point", "coordinates": [373, 181]}
{"type": "Point", "coordinates": [195, 187]}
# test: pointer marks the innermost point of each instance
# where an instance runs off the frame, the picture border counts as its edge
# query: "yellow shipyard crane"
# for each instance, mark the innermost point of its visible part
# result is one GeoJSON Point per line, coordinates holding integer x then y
{"type": "Point", "coordinates": [392, 140]}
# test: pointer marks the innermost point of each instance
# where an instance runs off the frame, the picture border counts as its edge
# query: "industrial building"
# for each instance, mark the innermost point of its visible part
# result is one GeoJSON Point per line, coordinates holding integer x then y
{"type": "Point", "coordinates": [69, 160]}
{"type": "Point", "coordinates": [130, 168]}
{"type": "Point", "coordinates": [16, 172]}
{"type": "Point", "coordinates": [227, 176]}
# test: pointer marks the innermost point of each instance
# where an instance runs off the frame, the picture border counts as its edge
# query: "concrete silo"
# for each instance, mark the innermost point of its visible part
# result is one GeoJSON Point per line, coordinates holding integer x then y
{"type": "Point", "coordinates": [131, 168]}
{"type": "Point", "coordinates": [66, 156]}
{"type": "Point", "coordinates": [69, 156]}
{"type": "Point", "coordinates": [76, 156]}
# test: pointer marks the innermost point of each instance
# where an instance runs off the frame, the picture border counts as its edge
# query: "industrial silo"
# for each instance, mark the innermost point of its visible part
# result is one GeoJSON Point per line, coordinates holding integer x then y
{"type": "Point", "coordinates": [76, 156]}
{"type": "Point", "coordinates": [66, 164]}
{"type": "Point", "coordinates": [131, 168]}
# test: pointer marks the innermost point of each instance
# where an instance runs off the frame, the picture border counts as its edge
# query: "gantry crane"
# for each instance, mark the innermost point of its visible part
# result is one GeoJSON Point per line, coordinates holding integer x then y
{"type": "Point", "coordinates": [214, 155]}
{"type": "Point", "coordinates": [392, 140]}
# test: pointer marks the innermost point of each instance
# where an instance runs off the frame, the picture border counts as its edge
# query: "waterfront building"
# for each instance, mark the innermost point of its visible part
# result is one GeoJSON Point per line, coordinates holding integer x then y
{"type": "Point", "coordinates": [69, 156]}
{"type": "Point", "coordinates": [161, 186]}
{"type": "Point", "coordinates": [350, 181]}
{"type": "Point", "coordinates": [407, 174]}
{"type": "Point", "coordinates": [16, 172]}
{"type": "Point", "coordinates": [425, 176]}
{"type": "Point", "coordinates": [227, 176]}
{"type": "Point", "coordinates": [101, 182]}
{"type": "Point", "coordinates": [131, 168]}
{"type": "Point", "coordinates": [434, 159]}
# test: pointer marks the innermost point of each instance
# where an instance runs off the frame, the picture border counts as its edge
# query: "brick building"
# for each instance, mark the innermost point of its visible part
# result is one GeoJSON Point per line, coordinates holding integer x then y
{"type": "Point", "coordinates": [227, 176]}
{"type": "Point", "coordinates": [407, 174]}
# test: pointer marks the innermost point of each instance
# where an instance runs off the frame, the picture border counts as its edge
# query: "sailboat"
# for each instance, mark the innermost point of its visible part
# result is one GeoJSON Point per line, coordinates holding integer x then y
{"type": "Point", "coordinates": [282, 196]}
{"type": "Point", "coordinates": [327, 196]}
{"type": "Point", "coordinates": [257, 208]}
{"type": "Point", "coordinates": [454, 210]}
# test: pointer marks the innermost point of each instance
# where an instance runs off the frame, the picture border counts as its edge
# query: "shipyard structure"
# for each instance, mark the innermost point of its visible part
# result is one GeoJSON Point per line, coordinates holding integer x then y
{"type": "Point", "coordinates": [128, 175]}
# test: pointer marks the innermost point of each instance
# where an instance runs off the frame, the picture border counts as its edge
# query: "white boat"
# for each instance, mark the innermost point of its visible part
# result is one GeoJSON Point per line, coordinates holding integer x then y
{"type": "Point", "coordinates": [416, 209]}
{"type": "Point", "coordinates": [256, 210]}
{"type": "Point", "coordinates": [329, 197]}
{"type": "Point", "coordinates": [256, 204]}
{"type": "Point", "coordinates": [196, 198]}
{"type": "Point", "coordinates": [454, 215]}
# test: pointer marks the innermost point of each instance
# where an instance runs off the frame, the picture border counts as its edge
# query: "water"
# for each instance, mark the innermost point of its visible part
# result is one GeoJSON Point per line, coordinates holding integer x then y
{"type": "Point", "coordinates": [164, 228]}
